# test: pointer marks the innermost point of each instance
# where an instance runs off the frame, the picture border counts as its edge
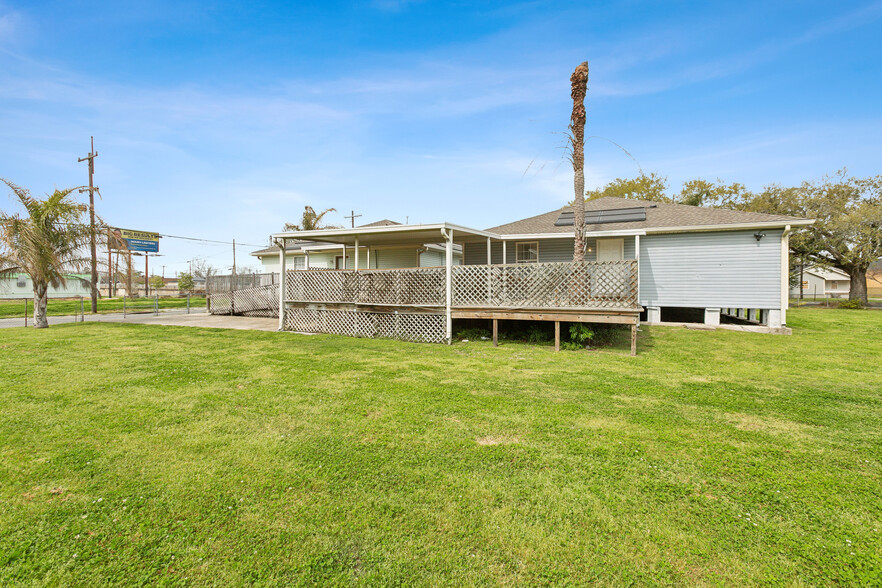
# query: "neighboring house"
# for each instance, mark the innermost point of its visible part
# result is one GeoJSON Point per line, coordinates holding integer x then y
{"type": "Point", "coordinates": [822, 283]}
{"type": "Point", "coordinates": [874, 280]}
{"type": "Point", "coordinates": [643, 261]}
{"type": "Point", "coordinates": [20, 286]}
{"type": "Point", "coordinates": [316, 255]}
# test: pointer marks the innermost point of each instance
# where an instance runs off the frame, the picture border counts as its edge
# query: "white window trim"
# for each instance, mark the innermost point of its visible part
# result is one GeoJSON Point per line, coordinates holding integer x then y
{"type": "Point", "coordinates": [517, 251]}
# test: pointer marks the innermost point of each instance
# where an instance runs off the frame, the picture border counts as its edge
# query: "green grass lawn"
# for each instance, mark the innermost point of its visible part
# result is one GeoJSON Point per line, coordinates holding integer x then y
{"type": "Point", "coordinates": [148, 455]}
{"type": "Point", "coordinates": [61, 307]}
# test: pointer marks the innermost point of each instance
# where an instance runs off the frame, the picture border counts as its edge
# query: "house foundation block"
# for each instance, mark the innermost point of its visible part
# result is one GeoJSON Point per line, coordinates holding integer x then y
{"type": "Point", "coordinates": [712, 316]}
{"type": "Point", "coordinates": [653, 314]}
{"type": "Point", "coordinates": [774, 319]}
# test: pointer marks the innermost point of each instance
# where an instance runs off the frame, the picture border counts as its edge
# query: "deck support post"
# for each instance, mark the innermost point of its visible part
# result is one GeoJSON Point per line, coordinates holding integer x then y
{"type": "Point", "coordinates": [448, 267]}
{"type": "Point", "coordinates": [633, 339]}
{"type": "Point", "coordinates": [557, 335]}
{"type": "Point", "coordinates": [495, 332]}
{"type": "Point", "coordinates": [282, 270]}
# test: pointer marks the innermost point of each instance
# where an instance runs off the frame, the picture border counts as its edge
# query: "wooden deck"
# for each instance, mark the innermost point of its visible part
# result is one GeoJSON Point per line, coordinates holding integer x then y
{"type": "Point", "coordinates": [414, 303]}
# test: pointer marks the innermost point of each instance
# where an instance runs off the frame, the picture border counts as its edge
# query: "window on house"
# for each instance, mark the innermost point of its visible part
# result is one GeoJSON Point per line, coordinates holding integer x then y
{"type": "Point", "coordinates": [527, 252]}
{"type": "Point", "coordinates": [21, 282]}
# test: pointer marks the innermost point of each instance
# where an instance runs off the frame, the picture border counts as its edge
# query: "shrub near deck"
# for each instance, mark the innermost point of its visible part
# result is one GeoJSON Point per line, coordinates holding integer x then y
{"type": "Point", "coordinates": [148, 455]}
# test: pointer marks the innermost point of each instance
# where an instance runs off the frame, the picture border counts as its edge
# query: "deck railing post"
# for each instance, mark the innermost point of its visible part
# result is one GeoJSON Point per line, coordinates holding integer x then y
{"type": "Point", "coordinates": [282, 282]}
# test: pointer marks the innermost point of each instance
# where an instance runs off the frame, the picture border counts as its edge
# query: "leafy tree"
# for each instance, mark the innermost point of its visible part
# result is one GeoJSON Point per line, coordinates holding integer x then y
{"type": "Point", "coordinates": [713, 194]}
{"type": "Point", "coordinates": [847, 233]}
{"type": "Point", "coordinates": [579, 88]}
{"type": "Point", "coordinates": [643, 187]}
{"type": "Point", "coordinates": [156, 282]}
{"type": "Point", "coordinates": [202, 269]}
{"type": "Point", "coordinates": [185, 282]}
{"type": "Point", "coordinates": [45, 242]}
{"type": "Point", "coordinates": [311, 220]}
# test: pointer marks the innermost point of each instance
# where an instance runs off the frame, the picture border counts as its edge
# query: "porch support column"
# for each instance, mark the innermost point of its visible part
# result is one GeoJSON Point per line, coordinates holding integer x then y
{"type": "Point", "coordinates": [448, 271]}
{"type": "Point", "coordinates": [637, 257]}
{"type": "Point", "coordinates": [368, 257]}
{"type": "Point", "coordinates": [504, 256]}
{"type": "Point", "coordinates": [306, 254]}
{"type": "Point", "coordinates": [355, 264]}
{"type": "Point", "coordinates": [343, 263]}
{"type": "Point", "coordinates": [489, 274]}
{"type": "Point", "coordinates": [282, 274]}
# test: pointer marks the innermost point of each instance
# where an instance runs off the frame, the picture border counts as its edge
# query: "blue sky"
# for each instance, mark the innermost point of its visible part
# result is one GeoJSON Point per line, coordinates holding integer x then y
{"type": "Point", "coordinates": [222, 120]}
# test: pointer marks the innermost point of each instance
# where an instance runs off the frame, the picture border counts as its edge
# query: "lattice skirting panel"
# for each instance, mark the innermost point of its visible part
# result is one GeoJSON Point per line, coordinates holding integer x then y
{"type": "Point", "coordinates": [259, 301]}
{"type": "Point", "coordinates": [422, 328]}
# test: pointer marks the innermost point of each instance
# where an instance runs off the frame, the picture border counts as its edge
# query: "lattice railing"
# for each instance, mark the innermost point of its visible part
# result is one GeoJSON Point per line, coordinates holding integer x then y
{"type": "Point", "coordinates": [260, 301]}
{"type": "Point", "coordinates": [605, 284]}
{"type": "Point", "coordinates": [400, 287]}
{"type": "Point", "coordinates": [423, 328]}
{"type": "Point", "coordinates": [587, 284]}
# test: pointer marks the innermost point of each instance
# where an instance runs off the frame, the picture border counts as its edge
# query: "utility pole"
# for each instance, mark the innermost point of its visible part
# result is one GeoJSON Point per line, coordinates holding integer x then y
{"type": "Point", "coordinates": [163, 272]}
{"type": "Point", "coordinates": [234, 259]}
{"type": "Point", "coordinates": [352, 216]}
{"type": "Point", "coordinates": [91, 159]}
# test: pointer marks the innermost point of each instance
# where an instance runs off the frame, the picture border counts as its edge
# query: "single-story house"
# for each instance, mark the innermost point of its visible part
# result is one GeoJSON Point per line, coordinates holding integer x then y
{"type": "Point", "coordinates": [822, 283]}
{"type": "Point", "coordinates": [643, 260]}
{"type": "Point", "coordinates": [19, 285]}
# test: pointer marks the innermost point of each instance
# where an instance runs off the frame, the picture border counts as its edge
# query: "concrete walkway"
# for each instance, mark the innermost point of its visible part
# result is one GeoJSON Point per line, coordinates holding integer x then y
{"type": "Point", "coordinates": [177, 318]}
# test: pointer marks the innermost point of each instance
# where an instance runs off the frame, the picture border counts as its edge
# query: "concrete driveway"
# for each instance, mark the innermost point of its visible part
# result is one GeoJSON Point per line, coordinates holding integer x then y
{"type": "Point", "coordinates": [175, 318]}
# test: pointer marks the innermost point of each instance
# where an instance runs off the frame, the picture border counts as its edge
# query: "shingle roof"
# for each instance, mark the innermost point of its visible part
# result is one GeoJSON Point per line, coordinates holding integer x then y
{"type": "Point", "coordinates": [659, 215]}
{"type": "Point", "coordinates": [380, 223]}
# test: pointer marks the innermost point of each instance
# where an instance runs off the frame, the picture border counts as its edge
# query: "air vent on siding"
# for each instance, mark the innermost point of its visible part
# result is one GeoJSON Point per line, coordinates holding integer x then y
{"type": "Point", "coordinates": [597, 217]}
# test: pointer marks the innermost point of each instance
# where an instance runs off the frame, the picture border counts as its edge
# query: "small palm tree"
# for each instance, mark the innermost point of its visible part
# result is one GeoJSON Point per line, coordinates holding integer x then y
{"type": "Point", "coordinates": [311, 220]}
{"type": "Point", "coordinates": [46, 242]}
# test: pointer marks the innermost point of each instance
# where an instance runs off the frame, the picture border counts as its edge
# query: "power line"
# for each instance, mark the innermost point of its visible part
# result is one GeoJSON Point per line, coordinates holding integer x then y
{"type": "Point", "coordinates": [210, 240]}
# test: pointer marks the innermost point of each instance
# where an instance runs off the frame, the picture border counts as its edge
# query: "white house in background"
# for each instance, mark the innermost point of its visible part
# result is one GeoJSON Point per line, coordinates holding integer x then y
{"type": "Point", "coordinates": [823, 283]}
{"type": "Point", "coordinates": [302, 254]}
{"type": "Point", "coordinates": [20, 286]}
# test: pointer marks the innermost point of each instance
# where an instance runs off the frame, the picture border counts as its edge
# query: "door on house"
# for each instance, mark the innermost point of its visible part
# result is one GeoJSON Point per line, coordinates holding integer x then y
{"type": "Point", "coordinates": [338, 262]}
{"type": "Point", "coordinates": [610, 249]}
{"type": "Point", "coordinates": [609, 280]}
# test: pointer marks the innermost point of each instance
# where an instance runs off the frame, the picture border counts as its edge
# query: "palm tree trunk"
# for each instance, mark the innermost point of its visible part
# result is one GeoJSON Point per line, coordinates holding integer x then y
{"type": "Point", "coordinates": [41, 292]}
{"type": "Point", "coordinates": [579, 84]}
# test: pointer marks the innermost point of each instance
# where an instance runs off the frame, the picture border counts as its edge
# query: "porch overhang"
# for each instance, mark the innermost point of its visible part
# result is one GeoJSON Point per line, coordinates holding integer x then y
{"type": "Point", "coordinates": [390, 235]}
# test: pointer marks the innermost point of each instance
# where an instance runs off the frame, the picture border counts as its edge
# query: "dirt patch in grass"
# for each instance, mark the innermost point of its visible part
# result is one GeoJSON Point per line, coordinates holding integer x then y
{"type": "Point", "coordinates": [775, 426]}
{"type": "Point", "coordinates": [497, 440]}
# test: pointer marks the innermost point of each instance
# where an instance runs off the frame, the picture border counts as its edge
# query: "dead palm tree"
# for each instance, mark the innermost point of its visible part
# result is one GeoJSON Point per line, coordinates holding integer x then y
{"type": "Point", "coordinates": [311, 220]}
{"type": "Point", "coordinates": [45, 242]}
{"type": "Point", "coordinates": [579, 83]}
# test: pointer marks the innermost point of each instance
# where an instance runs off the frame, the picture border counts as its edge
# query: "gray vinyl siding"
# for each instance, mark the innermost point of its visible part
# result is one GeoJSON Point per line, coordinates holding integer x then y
{"type": "Point", "coordinates": [550, 250]}
{"type": "Point", "coordinates": [711, 270]}
{"type": "Point", "coordinates": [393, 258]}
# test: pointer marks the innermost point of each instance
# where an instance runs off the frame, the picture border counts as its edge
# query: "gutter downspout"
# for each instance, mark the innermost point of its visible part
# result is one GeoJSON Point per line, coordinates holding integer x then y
{"type": "Point", "coordinates": [785, 274]}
